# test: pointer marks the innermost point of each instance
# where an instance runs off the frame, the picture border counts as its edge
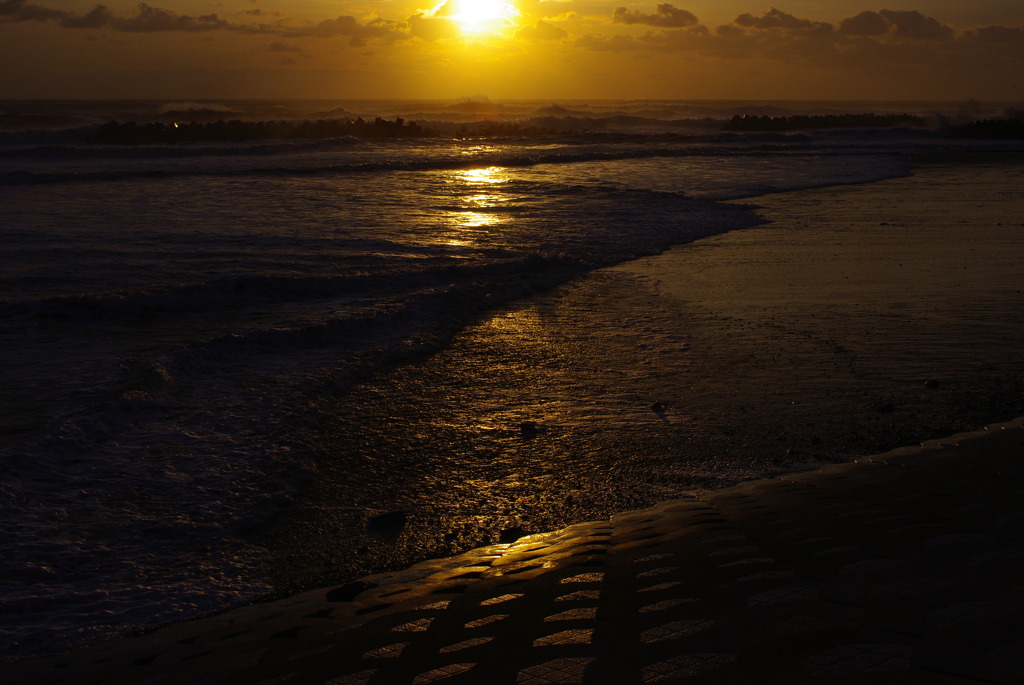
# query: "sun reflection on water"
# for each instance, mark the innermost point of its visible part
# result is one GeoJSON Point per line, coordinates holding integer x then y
{"type": "Point", "coordinates": [480, 200]}
{"type": "Point", "coordinates": [485, 176]}
{"type": "Point", "coordinates": [478, 220]}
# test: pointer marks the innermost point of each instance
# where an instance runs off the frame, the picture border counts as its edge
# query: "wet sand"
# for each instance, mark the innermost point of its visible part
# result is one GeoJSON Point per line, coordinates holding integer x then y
{"type": "Point", "coordinates": [912, 279]}
{"type": "Point", "coordinates": [859, 319]}
{"type": "Point", "coordinates": [902, 568]}
{"type": "Point", "coordinates": [879, 314]}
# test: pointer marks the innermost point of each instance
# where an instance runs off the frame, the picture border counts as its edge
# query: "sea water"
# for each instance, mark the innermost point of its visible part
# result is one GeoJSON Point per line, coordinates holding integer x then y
{"type": "Point", "coordinates": [178, 321]}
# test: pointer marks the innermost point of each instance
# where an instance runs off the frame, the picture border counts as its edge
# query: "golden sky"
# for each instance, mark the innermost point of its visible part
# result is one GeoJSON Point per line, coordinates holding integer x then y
{"type": "Point", "coordinates": [514, 49]}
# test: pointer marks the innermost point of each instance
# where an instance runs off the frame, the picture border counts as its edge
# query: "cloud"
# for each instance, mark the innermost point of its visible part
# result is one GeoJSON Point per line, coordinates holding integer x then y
{"type": "Point", "coordinates": [97, 18]}
{"type": "Point", "coordinates": [542, 31]}
{"type": "Point", "coordinates": [149, 19]}
{"type": "Point", "coordinates": [346, 26]}
{"type": "Point", "coordinates": [913, 24]}
{"type": "Point", "coordinates": [909, 24]}
{"type": "Point", "coordinates": [445, 9]}
{"type": "Point", "coordinates": [668, 16]}
{"type": "Point", "coordinates": [20, 10]}
{"type": "Point", "coordinates": [152, 19]}
{"type": "Point", "coordinates": [146, 18]}
{"type": "Point", "coordinates": [998, 35]}
{"type": "Point", "coordinates": [891, 42]}
{"type": "Point", "coordinates": [430, 27]}
{"type": "Point", "coordinates": [777, 19]}
{"type": "Point", "coordinates": [867, 23]}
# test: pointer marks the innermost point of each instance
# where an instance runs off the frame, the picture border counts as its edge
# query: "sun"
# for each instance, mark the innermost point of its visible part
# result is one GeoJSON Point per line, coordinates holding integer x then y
{"type": "Point", "coordinates": [478, 16]}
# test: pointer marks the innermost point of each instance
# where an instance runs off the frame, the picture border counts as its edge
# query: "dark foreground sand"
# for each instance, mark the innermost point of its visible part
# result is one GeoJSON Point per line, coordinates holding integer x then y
{"type": "Point", "coordinates": [902, 568]}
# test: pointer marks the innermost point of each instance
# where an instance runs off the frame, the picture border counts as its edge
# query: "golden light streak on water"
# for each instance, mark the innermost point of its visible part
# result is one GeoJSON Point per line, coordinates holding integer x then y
{"type": "Point", "coordinates": [478, 193]}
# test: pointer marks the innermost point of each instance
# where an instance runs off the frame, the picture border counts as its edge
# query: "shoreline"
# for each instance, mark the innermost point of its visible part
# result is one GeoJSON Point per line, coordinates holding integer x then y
{"type": "Point", "coordinates": [815, 600]}
{"type": "Point", "coordinates": [750, 386]}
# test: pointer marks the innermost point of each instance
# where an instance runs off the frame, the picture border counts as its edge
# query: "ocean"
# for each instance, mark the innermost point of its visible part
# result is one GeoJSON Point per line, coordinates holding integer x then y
{"type": "Point", "coordinates": [192, 330]}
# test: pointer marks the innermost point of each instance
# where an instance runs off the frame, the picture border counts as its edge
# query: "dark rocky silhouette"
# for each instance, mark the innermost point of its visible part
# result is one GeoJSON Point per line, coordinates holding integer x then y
{"type": "Point", "coordinates": [236, 130]}
{"type": "Point", "coordinates": [133, 133]}
{"type": "Point", "coordinates": [1000, 129]}
{"type": "Point", "coordinates": [802, 121]}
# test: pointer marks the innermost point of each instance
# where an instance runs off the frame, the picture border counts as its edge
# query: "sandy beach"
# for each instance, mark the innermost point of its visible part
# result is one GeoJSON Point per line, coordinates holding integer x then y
{"type": "Point", "coordinates": [857, 319]}
{"type": "Point", "coordinates": [646, 404]}
{"type": "Point", "coordinates": [901, 568]}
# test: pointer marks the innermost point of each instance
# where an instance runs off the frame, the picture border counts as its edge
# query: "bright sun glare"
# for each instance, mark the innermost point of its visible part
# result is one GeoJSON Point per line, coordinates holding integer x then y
{"type": "Point", "coordinates": [477, 16]}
